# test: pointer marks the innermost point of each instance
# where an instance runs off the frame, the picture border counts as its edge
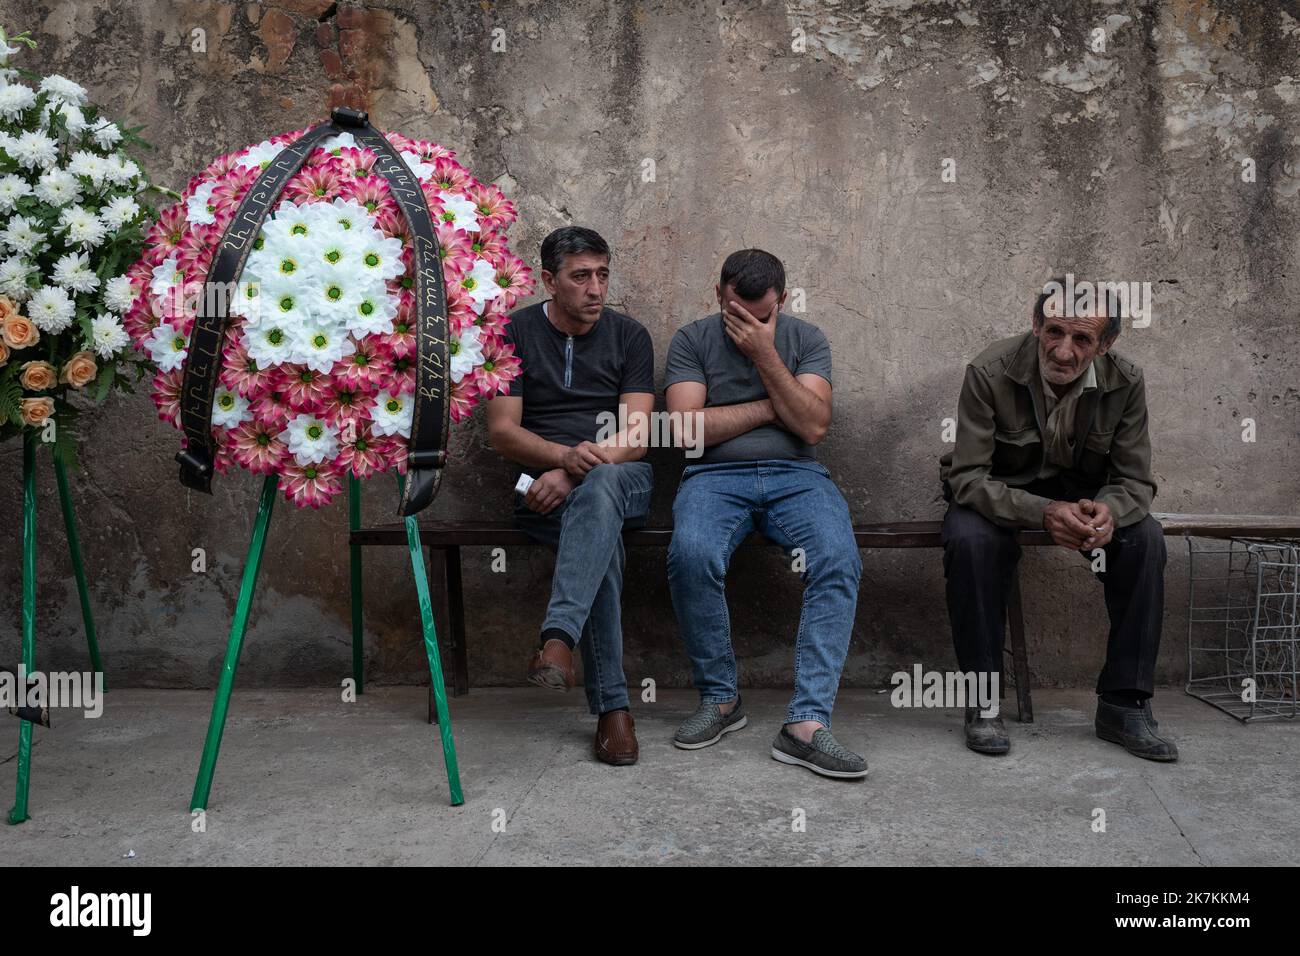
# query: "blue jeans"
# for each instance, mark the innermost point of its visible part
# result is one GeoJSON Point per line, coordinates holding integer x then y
{"type": "Point", "coordinates": [587, 588]}
{"type": "Point", "coordinates": [795, 505]}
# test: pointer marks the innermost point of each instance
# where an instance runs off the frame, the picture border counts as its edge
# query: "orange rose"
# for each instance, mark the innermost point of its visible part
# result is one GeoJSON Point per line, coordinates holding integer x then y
{"type": "Point", "coordinates": [35, 411]}
{"type": "Point", "coordinates": [7, 308]}
{"type": "Point", "coordinates": [19, 332]}
{"type": "Point", "coordinates": [4, 352]}
{"type": "Point", "coordinates": [79, 370]}
{"type": "Point", "coordinates": [37, 376]}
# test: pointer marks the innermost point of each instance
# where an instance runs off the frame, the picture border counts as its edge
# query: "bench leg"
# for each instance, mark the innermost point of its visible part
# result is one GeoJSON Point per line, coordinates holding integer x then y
{"type": "Point", "coordinates": [1019, 657]}
{"type": "Point", "coordinates": [220, 704]}
{"type": "Point", "coordinates": [456, 611]}
{"type": "Point", "coordinates": [354, 568]}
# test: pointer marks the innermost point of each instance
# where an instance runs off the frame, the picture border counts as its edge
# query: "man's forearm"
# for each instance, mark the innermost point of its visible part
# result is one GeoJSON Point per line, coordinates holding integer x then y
{"type": "Point", "coordinates": [797, 408]}
{"type": "Point", "coordinates": [526, 448]}
{"type": "Point", "coordinates": [724, 422]}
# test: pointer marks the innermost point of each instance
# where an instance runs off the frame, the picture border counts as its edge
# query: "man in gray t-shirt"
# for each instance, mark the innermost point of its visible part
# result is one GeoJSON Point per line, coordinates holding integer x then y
{"type": "Point", "coordinates": [758, 383]}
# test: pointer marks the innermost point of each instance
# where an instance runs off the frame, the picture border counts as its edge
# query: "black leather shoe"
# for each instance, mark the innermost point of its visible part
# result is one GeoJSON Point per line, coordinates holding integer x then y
{"type": "Point", "coordinates": [1136, 730]}
{"type": "Point", "coordinates": [986, 735]}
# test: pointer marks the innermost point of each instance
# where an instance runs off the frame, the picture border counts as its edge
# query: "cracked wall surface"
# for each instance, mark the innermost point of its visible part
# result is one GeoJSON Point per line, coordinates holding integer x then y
{"type": "Point", "coordinates": [1122, 162]}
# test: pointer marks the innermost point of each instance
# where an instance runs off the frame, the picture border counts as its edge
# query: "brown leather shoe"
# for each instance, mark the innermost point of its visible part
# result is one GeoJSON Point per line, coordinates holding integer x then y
{"type": "Point", "coordinates": [616, 739]}
{"type": "Point", "coordinates": [552, 666]}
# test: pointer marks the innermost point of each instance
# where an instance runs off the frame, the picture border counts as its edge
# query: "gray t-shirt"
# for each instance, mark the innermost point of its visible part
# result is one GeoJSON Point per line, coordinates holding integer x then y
{"type": "Point", "coordinates": [702, 352]}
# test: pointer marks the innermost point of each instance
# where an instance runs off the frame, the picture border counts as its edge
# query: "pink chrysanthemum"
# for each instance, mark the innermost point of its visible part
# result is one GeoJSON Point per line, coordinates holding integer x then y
{"type": "Point", "coordinates": [310, 485]}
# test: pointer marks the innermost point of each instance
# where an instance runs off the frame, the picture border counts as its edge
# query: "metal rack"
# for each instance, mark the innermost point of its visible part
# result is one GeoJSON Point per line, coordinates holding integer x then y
{"type": "Point", "coordinates": [1243, 626]}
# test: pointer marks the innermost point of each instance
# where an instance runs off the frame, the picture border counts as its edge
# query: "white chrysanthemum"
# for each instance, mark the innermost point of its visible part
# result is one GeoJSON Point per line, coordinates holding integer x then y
{"type": "Point", "coordinates": [107, 336]}
{"type": "Point", "coordinates": [119, 211]}
{"type": "Point", "coordinates": [199, 208]}
{"type": "Point", "coordinates": [74, 121]}
{"type": "Point", "coordinates": [331, 296]}
{"type": "Point", "coordinates": [334, 251]}
{"type": "Point", "coordinates": [88, 164]}
{"type": "Point", "coordinates": [119, 293]}
{"type": "Point", "coordinates": [122, 171]}
{"type": "Point", "coordinates": [344, 139]}
{"type": "Point", "coordinates": [372, 315]}
{"type": "Point", "coordinates": [463, 212]}
{"type": "Point", "coordinates": [14, 98]}
{"type": "Point", "coordinates": [62, 88]}
{"type": "Point", "coordinates": [51, 309]}
{"type": "Point", "coordinates": [246, 298]}
{"type": "Point", "coordinates": [259, 156]}
{"type": "Point", "coordinates": [291, 223]}
{"type": "Point", "coordinates": [318, 345]}
{"type": "Point", "coordinates": [268, 345]}
{"type": "Point", "coordinates": [82, 226]}
{"type": "Point", "coordinates": [13, 278]}
{"type": "Point", "coordinates": [380, 256]}
{"type": "Point", "coordinates": [167, 347]}
{"type": "Point", "coordinates": [481, 284]}
{"type": "Point", "coordinates": [23, 237]}
{"type": "Point", "coordinates": [310, 439]}
{"type": "Point", "coordinates": [416, 165]}
{"type": "Point", "coordinates": [34, 150]}
{"type": "Point", "coordinates": [73, 271]}
{"type": "Point", "coordinates": [106, 135]}
{"type": "Point", "coordinates": [229, 409]}
{"type": "Point", "coordinates": [347, 214]}
{"type": "Point", "coordinates": [12, 189]}
{"type": "Point", "coordinates": [391, 414]}
{"type": "Point", "coordinates": [466, 352]}
{"type": "Point", "coordinates": [58, 187]}
{"type": "Point", "coordinates": [167, 279]}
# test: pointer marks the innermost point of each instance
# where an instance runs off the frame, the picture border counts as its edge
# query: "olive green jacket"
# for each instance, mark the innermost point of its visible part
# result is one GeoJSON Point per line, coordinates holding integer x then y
{"type": "Point", "coordinates": [1000, 445]}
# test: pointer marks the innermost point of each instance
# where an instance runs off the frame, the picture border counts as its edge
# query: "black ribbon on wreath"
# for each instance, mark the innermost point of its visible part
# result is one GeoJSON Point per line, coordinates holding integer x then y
{"type": "Point", "coordinates": [430, 422]}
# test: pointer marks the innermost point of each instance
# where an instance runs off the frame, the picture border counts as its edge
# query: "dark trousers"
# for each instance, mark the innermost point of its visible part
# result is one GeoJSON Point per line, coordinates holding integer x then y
{"type": "Point", "coordinates": [979, 561]}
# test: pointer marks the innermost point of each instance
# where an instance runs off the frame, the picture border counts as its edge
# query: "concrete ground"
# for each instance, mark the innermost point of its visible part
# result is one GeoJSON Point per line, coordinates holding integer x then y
{"type": "Point", "coordinates": [306, 779]}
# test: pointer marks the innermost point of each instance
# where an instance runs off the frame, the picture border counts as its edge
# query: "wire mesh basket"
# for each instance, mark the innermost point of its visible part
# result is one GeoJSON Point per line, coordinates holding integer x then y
{"type": "Point", "coordinates": [1243, 626]}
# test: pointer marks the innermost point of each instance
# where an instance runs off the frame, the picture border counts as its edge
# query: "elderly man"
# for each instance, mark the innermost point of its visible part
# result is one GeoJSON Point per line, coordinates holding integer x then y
{"type": "Point", "coordinates": [582, 361]}
{"type": "Point", "coordinates": [1052, 434]}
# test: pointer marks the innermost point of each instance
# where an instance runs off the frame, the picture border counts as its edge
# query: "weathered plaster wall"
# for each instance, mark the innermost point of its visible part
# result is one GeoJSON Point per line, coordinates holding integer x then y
{"type": "Point", "coordinates": [1122, 164]}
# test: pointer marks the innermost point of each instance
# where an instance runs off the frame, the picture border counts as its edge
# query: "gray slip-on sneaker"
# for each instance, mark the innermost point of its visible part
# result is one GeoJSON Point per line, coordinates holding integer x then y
{"type": "Point", "coordinates": [825, 755]}
{"type": "Point", "coordinates": [707, 725]}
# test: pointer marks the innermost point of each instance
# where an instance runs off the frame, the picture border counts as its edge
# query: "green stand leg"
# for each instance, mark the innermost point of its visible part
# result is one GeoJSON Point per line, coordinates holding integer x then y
{"type": "Point", "coordinates": [74, 546]}
{"type": "Point", "coordinates": [435, 659]}
{"type": "Point", "coordinates": [19, 812]}
{"type": "Point", "coordinates": [354, 562]}
{"type": "Point", "coordinates": [203, 785]}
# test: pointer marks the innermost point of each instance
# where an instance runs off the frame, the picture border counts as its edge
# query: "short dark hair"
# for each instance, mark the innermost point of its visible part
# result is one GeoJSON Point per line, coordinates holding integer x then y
{"type": "Point", "coordinates": [570, 240]}
{"type": "Point", "coordinates": [751, 272]}
{"type": "Point", "coordinates": [1114, 313]}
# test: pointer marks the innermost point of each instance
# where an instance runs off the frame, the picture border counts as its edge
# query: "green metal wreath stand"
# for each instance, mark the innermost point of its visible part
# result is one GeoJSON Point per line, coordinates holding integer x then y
{"type": "Point", "coordinates": [217, 723]}
{"type": "Point", "coordinates": [19, 812]}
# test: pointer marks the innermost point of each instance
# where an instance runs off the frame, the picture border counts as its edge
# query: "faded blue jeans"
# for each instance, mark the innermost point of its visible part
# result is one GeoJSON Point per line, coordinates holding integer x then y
{"type": "Point", "coordinates": [587, 588]}
{"type": "Point", "coordinates": [794, 504]}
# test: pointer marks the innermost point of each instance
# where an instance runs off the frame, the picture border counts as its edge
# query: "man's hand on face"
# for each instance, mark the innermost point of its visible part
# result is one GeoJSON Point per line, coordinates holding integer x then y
{"type": "Point", "coordinates": [1067, 524]}
{"type": "Point", "coordinates": [1102, 523]}
{"type": "Point", "coordinates": [549, 491]}
{"type": "Point", "coordinates": [753, 337]}
{"type": "Point", "coordinates": [580, 459]}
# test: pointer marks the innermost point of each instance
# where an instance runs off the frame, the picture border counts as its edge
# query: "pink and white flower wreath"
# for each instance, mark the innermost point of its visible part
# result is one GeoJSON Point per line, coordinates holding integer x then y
{"type": "Point", "coordinates": [317, 376]}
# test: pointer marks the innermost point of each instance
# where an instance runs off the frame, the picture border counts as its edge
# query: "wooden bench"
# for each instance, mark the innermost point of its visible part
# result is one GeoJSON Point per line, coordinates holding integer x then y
{"type": "Point", "coordinates": [444, 539]}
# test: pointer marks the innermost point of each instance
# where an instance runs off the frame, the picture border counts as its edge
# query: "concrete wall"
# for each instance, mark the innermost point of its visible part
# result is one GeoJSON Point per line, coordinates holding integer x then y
{"type": "Point", "coordinates": [1122, 164]}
